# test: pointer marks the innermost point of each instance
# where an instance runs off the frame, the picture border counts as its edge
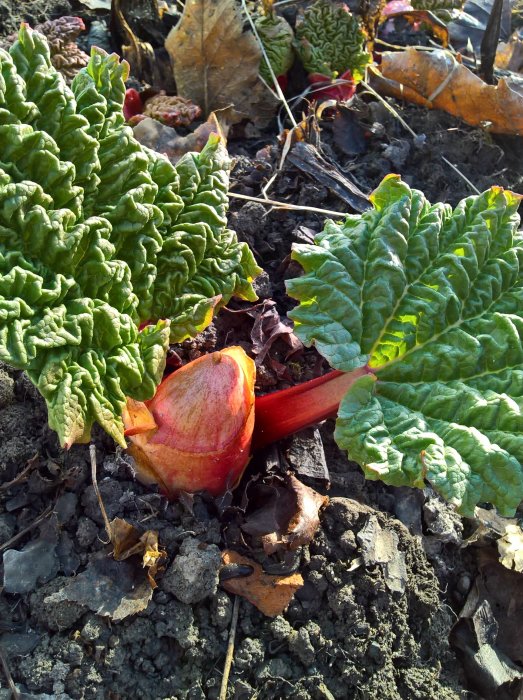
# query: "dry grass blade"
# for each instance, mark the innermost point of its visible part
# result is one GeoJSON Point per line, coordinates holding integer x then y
{"type": "Point", "coordinates": [9, 543]}
{"type": "Point", "coordinates": [12, 687]}
{"type": "Point", "coordinates": [285, 205]}
{"type": "Point", "coordinates": [230, 649]}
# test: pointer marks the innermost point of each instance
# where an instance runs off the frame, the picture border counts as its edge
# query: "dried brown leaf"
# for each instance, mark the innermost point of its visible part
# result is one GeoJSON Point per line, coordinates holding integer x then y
{"type": "Point", "coordinates": [216, 63]}
{"type": "Point", "coordinates": [288, 516]}
{"type": "Point", "coordinates": [270, 594]}
{"type": "Point", "coordinates": [437, 81]}
{"type": "Point", "coordinates": [128, 541]}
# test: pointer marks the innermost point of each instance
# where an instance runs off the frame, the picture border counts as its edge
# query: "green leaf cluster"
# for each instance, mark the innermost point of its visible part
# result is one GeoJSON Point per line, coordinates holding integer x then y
{"type": "Point", "coordinates": [330, 41]}
{"type": "Point", "coordinates": [430, 300]}
{"type": "Point", "coordinates": [99, 235]}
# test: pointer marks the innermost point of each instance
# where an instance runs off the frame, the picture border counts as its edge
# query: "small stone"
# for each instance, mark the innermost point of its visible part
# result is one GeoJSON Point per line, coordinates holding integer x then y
{"type": "Point", "coordinates": [250, 653]}
{"type": "Point", "coordinates": [464, 583]}
{"type": "Point", "coordinates": [86, 532]}
{"type": "Point", "coordinates": [193, 576]}
{"type": "Point", "coordinates": [66, 507]}
{"type": "Point", "coordinates": [55, 615]}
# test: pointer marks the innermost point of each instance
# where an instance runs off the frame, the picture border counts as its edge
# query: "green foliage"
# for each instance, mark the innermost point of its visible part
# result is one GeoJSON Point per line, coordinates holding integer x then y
{"type": "Point", "coordinates": [430, 300]}
{"type": "Point", "coordinates": [276, 36]}
{"type": "Point", "coordinates": [330, 41]}
{"type": "Point", "coordinates": [97, 235]}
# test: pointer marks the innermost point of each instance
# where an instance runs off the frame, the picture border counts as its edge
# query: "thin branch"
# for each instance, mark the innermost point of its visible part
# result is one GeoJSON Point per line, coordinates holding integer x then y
{"type": "Point", "coordinates": [230, 649]}
{"type": "Point", "coordinates": [20, 477]}
{"type": "Point", "coordinates": [9, 677]}
{"type": "Point", "coordinates": [462, 176]}
{"type": "Point", "coordinates": [389, 107]}
{"type": "Point", "coordinates": [27, 529]}
{"type": "Point", "coordinates": [285, 205]}
{"type": "Point", "coordinates": [92, 453]}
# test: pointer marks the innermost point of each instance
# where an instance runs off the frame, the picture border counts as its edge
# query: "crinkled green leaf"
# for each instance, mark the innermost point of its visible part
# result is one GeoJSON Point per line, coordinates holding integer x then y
{"type": "Point", "coordinates": [330, 41]}
{"type": "Point", "coordinates": [431, 301]}
{"type": "Point", "coordinates": [277, 38]}
{"type": "Point", "coordinates": [98, 235]}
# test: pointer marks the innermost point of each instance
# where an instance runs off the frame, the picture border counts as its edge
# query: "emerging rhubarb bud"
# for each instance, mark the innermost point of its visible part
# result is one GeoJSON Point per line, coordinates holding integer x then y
{"type": "Point", "coordinates": [195, 434]}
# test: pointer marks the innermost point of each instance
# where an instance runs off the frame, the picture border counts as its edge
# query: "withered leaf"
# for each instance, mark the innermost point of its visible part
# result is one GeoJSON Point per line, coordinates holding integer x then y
{"type": "Point", "coordinates": [510, 547]}
{"type": "Point", "coordinates": [128, 541]}
{"type": "Point", "coordinates": [434, 79]}
{"type": "Point", "coordinates": [288, 515]}
{"type": "Point", "coordinates": [268, 327]}
{"type": "Point", "coordinates": [270, 594]}
{"type": "Point", "coordinates": [165, 139]}
{"type": "Point", "coordinates": [216, 63]}
{"type": "Point", "coordinates": [436, 25]}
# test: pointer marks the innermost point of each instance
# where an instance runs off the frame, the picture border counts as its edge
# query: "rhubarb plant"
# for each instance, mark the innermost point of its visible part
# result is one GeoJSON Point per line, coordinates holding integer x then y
{"type": "Point", "coordinates": [330, 42]}
{"type": "Point", "coordinates": [419, 308]}
{"type": "Point", "coordinates": [107, 251]}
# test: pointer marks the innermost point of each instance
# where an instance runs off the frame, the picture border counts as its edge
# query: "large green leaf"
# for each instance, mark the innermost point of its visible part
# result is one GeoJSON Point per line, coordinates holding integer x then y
{"type": "Point", "coordinates": [431, 301]}
{"type": "Point", "coordinates": [99, 235]}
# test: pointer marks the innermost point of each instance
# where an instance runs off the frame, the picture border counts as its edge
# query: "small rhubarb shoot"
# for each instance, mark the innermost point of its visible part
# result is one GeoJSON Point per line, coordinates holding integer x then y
{"type": "Point", "coordinates": [195, 434]}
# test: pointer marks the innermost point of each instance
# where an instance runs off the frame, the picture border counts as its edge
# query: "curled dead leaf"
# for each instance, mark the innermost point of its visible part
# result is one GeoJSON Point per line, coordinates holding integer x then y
{"type": "Point", "coordinates": [436, 80]}
{"type": "Point", "coordinates": [270, 594]}
{"type": "Point", "coordinates": [128, 541]}
{"type": "Point", "coordinates": [287, 515]}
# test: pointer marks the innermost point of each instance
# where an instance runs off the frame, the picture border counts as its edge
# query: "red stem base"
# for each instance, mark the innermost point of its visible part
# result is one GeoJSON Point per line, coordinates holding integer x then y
{"type": "Point", "coordinates": [285, 412]}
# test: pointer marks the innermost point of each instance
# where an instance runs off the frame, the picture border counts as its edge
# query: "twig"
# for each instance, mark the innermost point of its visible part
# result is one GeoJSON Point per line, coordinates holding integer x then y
{"type": "Point", "coordinates": [92, 453]}
{"type": "Point", "coordinates": [27, 529]}
{"type": "Point", "coordinates": [284, 205]}
{"type": "Point", "coordinates": [390, 108]}
{"type": "Point", "coordinates": [462, 176]}
{"type": "Point", "coordinates": [9, 677]}
{"type": "Point", "coordinates": [230, 649]}
{"type": "Point", "coordinates": [20, 477]}
{"type": "Point", "coordinates": [266, 59]}
{"type": "Point", "coordinates": [446, 80]}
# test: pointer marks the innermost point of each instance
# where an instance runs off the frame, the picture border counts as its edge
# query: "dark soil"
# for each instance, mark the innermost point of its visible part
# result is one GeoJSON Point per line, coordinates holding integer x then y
{"type": "Point", "coordinates": [355, 630]}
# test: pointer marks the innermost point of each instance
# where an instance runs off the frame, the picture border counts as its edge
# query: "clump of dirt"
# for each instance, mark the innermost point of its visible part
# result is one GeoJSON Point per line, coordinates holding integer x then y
{"type": "Point", "coordinates": [13, 13]}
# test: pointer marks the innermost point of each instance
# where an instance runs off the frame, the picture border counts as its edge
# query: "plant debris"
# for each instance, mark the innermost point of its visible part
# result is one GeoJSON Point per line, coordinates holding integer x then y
{"type": "Point", "coordinates": [437, 81]}
{"type": "Point", "coordinates": [270, 594]}
{"type": "Point", "coordinates": [282, 514]}
{"type": "Point", "coordinates": [216, 62]}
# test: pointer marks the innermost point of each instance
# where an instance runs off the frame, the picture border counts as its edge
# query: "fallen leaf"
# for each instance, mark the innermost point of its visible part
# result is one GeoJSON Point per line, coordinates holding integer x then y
{"type": "Point", "coordinates": [510, 548]}
{"type": "Point", "coordinates": [216, 63]}
{"type": "Point", "coordinates": [134, 26]}
{"type": "Point", "coordinates": [436, 80]}
{"type": "Point", "coordinates": [124, 537]}
{"type": "Point", "coordinates": [417, 17]}
{"type": "Point", "coordinates": [509, 55]}
{"type": "Point", "coordinates": [128, 541]}
{"type": "Point", "coordinates": [268, 327]}
{"type": "Point", "coordinates": [307, 158]}
{"type": "Point", "coordinates": [270, 594]}
{"type": "Point", "coordinates": [285, 514]}
{"type": "Point", "coordinates": [468, 26]}
{"type": "Point", "coordinates": [166, 140]}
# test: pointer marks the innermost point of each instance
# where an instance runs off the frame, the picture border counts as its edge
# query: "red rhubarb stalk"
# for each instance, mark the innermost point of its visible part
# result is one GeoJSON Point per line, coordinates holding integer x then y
{"type": "Point", "coordinates": [285, 412]}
